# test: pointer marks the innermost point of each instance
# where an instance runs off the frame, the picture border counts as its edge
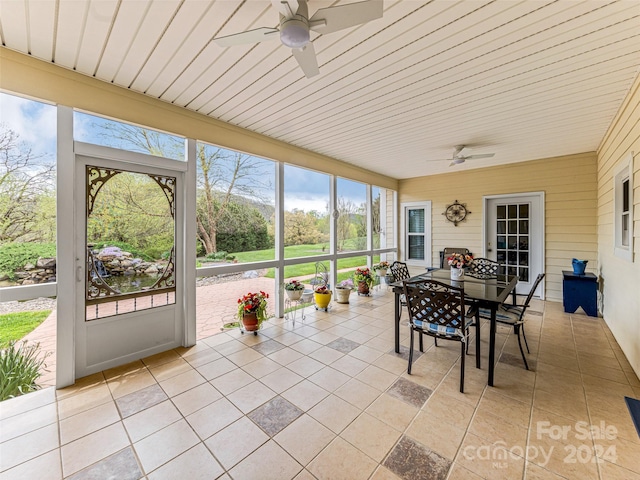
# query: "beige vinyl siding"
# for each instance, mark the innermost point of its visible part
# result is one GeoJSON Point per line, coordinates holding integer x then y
{"type": "Point", "coordinates": [620, 278]}
{"type": "Point", "coordinates": [570, 190]}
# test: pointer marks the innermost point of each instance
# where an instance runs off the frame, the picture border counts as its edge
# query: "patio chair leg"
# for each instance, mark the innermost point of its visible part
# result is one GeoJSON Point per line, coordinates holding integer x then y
{"type": "Point", "coordinates": [478, 339]}
{"type": "Point", "coordinates": [524, 358]}
{"type": "Point", "coordinates": [525, 338]}
{"type": "Point", "coordinates": [462, 369]}
{"type": "Point", "coordinates": [421, 345]}
{"type": "Point", "coordinates": [435, 341]}
{"type": "Point", "coordinates": [411, 351]}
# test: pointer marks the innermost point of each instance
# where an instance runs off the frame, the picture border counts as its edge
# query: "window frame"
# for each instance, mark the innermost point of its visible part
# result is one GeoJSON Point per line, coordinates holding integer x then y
{"type": "Point", "coordinates": [623, 241]}
{"type": "Point", "coordinates": [404, 228]}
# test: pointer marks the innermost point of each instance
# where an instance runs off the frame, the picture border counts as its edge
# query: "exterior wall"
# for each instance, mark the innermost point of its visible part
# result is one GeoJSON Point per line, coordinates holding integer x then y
{"type": "Point", "coordinates": [620, 279]}
{"type": "Point", "coordinates": [40, 80]}
{"type": "Point", "coordinates": [570, 190]}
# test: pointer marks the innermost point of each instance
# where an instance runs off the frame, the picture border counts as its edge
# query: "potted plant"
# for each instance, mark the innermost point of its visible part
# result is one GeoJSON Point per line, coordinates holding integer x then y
{"type": "Point", "coordinates": [458, 262]}
{"type": "Point", "coordinates": [294, 289]}
{"type": "Point", "coordinates": [322, 297]}
{"type": "Point", "coordinates": [343, 290]}
{"type": "Point", "coordinates": [364, 278]}
{"type": "Point", "coordinates": [381, 268]}
{"type": "Point", "coordinates": [252, 310]}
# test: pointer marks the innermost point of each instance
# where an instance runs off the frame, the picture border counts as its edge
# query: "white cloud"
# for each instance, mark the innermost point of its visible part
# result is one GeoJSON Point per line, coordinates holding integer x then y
{"type": "Point", "coordinates": [35, 122]}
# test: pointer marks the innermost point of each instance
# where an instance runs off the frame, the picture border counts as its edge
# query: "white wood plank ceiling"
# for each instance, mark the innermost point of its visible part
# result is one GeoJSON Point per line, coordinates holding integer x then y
{"type": "Point", "coordinates": [521, 79]}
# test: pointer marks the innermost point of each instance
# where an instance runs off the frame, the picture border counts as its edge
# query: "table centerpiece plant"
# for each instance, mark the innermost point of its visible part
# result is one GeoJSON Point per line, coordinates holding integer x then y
{"type": "Point", "coordinates": [364, 278]}
{"type": "Point", "coordinates": [252, 310]}
{"type": "Point", "coordinates": [458, 262]}
{"type": "Point", "coordinates": [294, 289]}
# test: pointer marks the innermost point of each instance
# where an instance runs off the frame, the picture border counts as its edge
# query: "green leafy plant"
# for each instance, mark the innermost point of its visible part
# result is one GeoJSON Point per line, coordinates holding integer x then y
{"type": "Point", "coordinates": [14, 256]}
{"type": "Point", "coordinates": [363, 275]}
{"type": "Point", "coordinates": [293, 285]}
{"type": "Point", "coordinates": [381, 266]}
{"type": "Point", "coordinates": [20, 367]}
{"type": "Point", "coordinates": [253, 302]}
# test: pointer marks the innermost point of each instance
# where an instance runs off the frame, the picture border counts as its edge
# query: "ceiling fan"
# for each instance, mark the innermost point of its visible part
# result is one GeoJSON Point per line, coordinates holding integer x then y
{"type": "Point", "coordinates": [461, 153]}
{"type": "Point", "coordinates": [295, 25]}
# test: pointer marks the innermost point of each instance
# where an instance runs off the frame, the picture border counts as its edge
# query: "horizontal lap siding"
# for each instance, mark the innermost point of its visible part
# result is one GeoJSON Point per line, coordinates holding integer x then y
{"type": "Point", "coordinates": [620, 279]}
{"type": "Point", "coordinates": [571, 206]}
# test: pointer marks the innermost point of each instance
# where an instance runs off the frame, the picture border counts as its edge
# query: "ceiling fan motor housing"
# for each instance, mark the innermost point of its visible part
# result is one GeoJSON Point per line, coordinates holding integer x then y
{"type": "Point", "coordinates": [294, 33]}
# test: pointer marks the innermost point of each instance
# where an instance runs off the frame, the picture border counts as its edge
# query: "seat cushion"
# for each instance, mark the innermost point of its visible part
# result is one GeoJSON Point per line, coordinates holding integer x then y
{"type": "Point", "coordinates": [502, 316]}
{"type": "Point", "coordinates": [443, 330]}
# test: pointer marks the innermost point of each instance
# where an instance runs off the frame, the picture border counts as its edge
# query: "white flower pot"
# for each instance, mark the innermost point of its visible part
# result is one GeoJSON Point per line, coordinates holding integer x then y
{"type": "Point", "coordinates": [457, 274]}
{"type": "Point", "coordinates": [342, 295]}
{"type": "Point", "coordinates": [294, 294]}
{"type": "Point", "coordinates": [382, 272]}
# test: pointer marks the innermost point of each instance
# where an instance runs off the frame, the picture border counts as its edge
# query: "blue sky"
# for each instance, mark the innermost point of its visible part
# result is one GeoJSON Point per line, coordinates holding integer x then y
{"type": "Point", "coordinates": [35, 122]}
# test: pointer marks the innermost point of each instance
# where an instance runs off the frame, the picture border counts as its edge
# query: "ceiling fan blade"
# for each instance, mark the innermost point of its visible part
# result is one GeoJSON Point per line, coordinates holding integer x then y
{"type": "Point", "coordinates": [251, 36]}
{"type": "Point", "coordinates": [286, 8]}
{"type": "Point", "coordinates": [332, 19]}
{"type": "Point", "coordinates": [306, 57]}
{"type": "Point", "coordinates": [482, 155]}
{"type": "Point", "coordinates": [462, 151]}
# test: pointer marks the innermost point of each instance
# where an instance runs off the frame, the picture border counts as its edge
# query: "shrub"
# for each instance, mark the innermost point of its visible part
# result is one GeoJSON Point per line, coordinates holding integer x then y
{"type": "Point", "coordinates": [14, 256]}
{"type": "Point", "coordinates": [19, 369]}
{"type": "Point", "coordinates": [219, 255]}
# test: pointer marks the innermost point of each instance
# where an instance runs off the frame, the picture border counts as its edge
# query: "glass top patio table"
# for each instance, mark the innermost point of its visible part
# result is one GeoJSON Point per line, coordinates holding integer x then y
{"type": "Point", "coordinates": [487, 290]}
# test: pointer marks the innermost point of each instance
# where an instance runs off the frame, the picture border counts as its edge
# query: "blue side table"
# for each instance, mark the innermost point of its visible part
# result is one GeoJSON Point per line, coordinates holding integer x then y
{"type": "Point", "coordinates": [580, 291]}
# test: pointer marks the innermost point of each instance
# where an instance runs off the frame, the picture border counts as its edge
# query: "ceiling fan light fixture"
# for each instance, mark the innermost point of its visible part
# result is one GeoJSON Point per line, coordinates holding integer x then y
{"type": "Point", "coordinates": [294, 33]}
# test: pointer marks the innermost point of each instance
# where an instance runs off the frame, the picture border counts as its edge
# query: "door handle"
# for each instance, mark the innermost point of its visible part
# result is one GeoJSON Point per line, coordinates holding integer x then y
{"type": "Point", "coordinates": [79, 274]}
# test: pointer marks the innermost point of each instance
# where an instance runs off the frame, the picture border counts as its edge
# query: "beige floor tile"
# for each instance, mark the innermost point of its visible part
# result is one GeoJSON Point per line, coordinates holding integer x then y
{"type": "Point", "coordinates": [84, 423]}
{"type": "Point", "coordinates": [182, 382]}
{"type": "Point", "coordinates": [235, 442]}
{"type": "Point", "coordinates": [383, 473]}
{"type": "Point", "coordinates": [620, 451]}
{"type": "Point", "coordinates": [232, 381]}
{"type": "Point", "coordinates": [269, 462]}
{"type": "Point", "coordinates": [245, 356]}
{"type": "Point", "coordinates": [395, 413]}
{"type": "Point", "coordinates": [30, 445]}
{"type": "Point", "coordinates": [305, 366]}
{"type": "Point", "coordinates": [281, 380]}
{"type": "Point", "coordinates": [489, 461]}
{"type": "Point", "coordinates": [194, 464]}
{"type": "Point", "coordinates": [460, 473]}
{"type": "Point", "coordinates": [85, 400]}
{"type": "Point", "coordinates": [164, 445]}
{"type": "Point", "coordinates": [371, 436]}
{"type": "Point", "coordinates": [47, 466]}
{"type": "Point", "coordinates": [305, 394]}
{"type": "Point", "coordinates": [216, 368]}
{"type": "Point", "coordinates": [329, 379]}
{"type": "Point", "coordinates": [285, 356]}
{"type": "Point", "coordinates": [304, 475]}
{"type": "Point", "coordinates": [304, 439]}
{"type": "Point", "coordinates": [567, 404]}
{"type": "Point", "coordinates": [26, 403]}
{"type": "Point", "coordinates": [334, 413]}
{"type": "Point", "coordinates": [377, 377]}
{"type": "Point", "coordinates": [122, 385]}
{"type": "Point", "coordinates": [151, 420]}
{"type": "Point", "coordinates": [251, 396]}
{"type": "Point", "coordinates": [161, 358]}
{"type": "Point", "coordinates": [261, 367]}
{"type": "Point", "coordinates": [349, 365]}
{"type": "Point", "coordinates": [93, 447]}
{"type": "Point", "coordinates": [213, 418]}
{"type": "Point", "coordinates": [306, 346]}
{"type": "Point", "coordinates": [196, 398]}
{"type": "Point", "coordinates": [357, 393]}
{"type": "Point", "coordinates": [513, 411]}
{"type": "Point", "coordinates": [28, 421]}
{"type": "Point", "coordinates": [342, 461]}
{"type": "Point", "coordinates": [81, 385]}
{"type": "Point", "coordinates": [391, 364]}
{"type": "Point", "coordinates": [611, 471]}
{"type": "Point", "coordinates": [437, 434]}
{"type": "Point", "coordinates": [326, 355]}
{"type": "Point", "coordinates": [366, 354]}
{"type": "Point", "coordinates": [535, 472]}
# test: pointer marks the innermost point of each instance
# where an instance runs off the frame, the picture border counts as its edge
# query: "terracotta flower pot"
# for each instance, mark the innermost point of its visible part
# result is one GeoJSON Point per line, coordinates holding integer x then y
{"type": "Point", "coordinates": [250, 321]}
{"type": "Point", "coordinates": [363, 288]}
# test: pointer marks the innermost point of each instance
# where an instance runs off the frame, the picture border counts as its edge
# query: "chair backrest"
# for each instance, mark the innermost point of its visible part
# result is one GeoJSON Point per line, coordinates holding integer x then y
{"type": "Point", "coordinates": [484, 266]}
{"type": "Point", "coordinates": [447, 252]}
{"type": "Point", "coordinates": [533, 289]}
{"type": "Point", "coordinates": [435, 302]}
{"type": "Point", "coordinates": [400, 271]}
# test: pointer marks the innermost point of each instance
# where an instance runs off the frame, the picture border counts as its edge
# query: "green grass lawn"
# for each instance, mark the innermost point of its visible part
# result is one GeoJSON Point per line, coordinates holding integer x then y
{"type": "Point", "coordinates": [301, 270]}
{"type": "Point", "coordinates": [14, 326]}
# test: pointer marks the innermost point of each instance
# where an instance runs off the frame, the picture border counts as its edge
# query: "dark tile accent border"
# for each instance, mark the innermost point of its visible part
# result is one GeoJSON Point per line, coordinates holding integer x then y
{"type": "Point", "coordinates": [142, 399]}
{"type": "Point", "coordinates": [121, 465]}
{"type": "Point", "coordinates": [275, 415]}
{"type": "Point", "coordinates": [410, 392]}
{"type": "Point", "coordinates": [413, 461]}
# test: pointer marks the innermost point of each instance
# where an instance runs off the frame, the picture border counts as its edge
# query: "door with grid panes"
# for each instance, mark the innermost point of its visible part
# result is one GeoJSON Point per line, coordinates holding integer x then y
{"type": "Point", "coordinates": [515, 237]}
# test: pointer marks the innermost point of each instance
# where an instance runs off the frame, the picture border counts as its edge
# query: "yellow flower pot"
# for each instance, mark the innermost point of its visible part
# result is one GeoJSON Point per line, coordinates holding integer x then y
{"type": "Point", "coordinates": [322, 300]}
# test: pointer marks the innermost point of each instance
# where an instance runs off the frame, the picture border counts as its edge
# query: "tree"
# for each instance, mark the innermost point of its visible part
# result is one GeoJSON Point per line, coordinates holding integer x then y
{"type": "Point", "coordinates": [300, 228]}
{"type": "Point", "coordinates": [223, 176]}
{"type": "Point", "coordinates": [350, 222]}
{"type": "Point", "coordinates": [27, 192]}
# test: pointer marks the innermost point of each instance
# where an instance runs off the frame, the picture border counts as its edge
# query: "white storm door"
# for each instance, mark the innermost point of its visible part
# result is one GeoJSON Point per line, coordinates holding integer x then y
{"type": "Point", "coordinates": [416, 224]}
{"type": "Point", "coordinates": [127, 304]}
{"type": "Point", "coordinates": [514, 232]}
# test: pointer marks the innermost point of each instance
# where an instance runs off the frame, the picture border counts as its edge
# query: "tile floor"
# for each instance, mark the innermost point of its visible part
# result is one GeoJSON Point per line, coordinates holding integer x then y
{"type": "Point", "coordinates": [328, 399]}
